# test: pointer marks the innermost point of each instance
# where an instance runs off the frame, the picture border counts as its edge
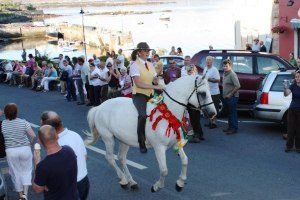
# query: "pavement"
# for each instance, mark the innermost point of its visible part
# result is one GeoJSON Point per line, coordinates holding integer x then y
{"type": "Point", "coordinates": [249, 165]}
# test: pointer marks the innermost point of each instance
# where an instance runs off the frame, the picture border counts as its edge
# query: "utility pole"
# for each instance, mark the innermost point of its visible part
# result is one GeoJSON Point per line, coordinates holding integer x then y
{"type": "Point", "coordinates": [84, 44]}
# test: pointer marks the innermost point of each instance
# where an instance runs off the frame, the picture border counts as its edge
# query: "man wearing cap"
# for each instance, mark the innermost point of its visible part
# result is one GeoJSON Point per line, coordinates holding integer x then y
{"type": "Point", "coordinates": [143, 75]}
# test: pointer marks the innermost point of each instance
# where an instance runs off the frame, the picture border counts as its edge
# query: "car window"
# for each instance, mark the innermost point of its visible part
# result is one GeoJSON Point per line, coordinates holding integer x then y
{"type": "Point", "coordinates": [217, 62]}
{"type": "Point", "coordinates": [277, 85]}
{"type": "Point", "coordinates": [164, 61]}
{"type": "Point", "coordinates": [242, 64]}
{"type": "Point", "coordinates": [266, 65]}
{"type": "Point", "coordinates": [262, 84]}
{"type": "Point", "coordinates": [179, 62]}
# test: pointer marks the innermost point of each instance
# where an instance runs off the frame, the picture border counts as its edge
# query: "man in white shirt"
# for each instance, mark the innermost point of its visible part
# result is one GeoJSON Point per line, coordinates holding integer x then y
{"type": "Point", "coordinates": [120, 60]}
{"type": "Point", "coordinates": [95, 83]}
{"type": "Point", "coordinates": [83, 70]}
{"type": "Point", "coordinates": [212, 75]}
{"type": "Point", "coordinates": [73, 140]}
{"type": "Point", "coordinates": [103, 81]}
{"type": "Point", "coordinates": [187, 70]}
{"type": "Point", "coordinates": [63, 84]}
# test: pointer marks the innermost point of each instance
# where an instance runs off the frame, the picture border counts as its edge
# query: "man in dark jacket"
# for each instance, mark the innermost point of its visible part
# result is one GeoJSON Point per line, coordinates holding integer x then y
{"type": "Point", "coordinates": [262, 47]}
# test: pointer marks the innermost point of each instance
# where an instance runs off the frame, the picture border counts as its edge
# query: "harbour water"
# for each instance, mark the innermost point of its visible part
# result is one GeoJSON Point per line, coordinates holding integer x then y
{"type": "Point", "coordinates": [193, 26]}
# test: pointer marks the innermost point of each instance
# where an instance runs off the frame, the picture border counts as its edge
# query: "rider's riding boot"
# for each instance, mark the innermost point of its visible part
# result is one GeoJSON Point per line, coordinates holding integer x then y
{"type": "Point", "coordinates": [141, 134]}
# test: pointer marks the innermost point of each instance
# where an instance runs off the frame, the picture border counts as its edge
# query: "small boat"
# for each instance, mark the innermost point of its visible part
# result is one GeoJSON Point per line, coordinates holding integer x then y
{"type": "Point", "coordinates": [164, 17]}
{"type": "Point", "coordinates": [68, 49]}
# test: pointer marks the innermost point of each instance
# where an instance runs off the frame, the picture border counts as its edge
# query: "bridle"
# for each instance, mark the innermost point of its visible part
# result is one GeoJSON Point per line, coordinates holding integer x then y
{"type": "Point", "coordinates": [195, 90]}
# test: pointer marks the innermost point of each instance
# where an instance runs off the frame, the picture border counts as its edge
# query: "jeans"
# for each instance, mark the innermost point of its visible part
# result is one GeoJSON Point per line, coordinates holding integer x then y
{"type": "Point", "coordinates": [79, 84]}
{"type": "Point", "coordinates": [91, 95]}
{"type": "Point", "coordinates": [231, 106]}
{"type": "Point", "coordinates": [83, 188]}
{"type": "Point", "coordinates": [103, 94]}
{"type": "Point", "coordinates": [97, 92]}
{"type": "Point", "coordinates": [71, 90]}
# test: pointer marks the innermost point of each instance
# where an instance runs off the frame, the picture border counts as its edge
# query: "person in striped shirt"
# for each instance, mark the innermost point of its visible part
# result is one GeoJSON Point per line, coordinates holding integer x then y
{"type": "Point", "coordinates": [18, 150]}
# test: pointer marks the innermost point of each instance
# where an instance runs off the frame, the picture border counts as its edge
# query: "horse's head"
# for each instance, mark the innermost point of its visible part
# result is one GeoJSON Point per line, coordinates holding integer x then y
{"type": "Point", "coordinates": [201, 97]}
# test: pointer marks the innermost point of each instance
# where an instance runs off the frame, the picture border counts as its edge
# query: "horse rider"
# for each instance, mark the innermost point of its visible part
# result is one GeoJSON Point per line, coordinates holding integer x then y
{"type": "Point", "coordinates": [144, 82]}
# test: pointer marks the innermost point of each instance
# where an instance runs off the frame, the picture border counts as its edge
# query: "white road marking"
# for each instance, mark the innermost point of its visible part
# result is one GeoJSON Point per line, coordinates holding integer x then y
{"type": "Point", "coordinates": [97, 150]}
{"type": "Point", "coordinates": [129, 162]}
{"type": "Point", "coordinates": [247, 121]}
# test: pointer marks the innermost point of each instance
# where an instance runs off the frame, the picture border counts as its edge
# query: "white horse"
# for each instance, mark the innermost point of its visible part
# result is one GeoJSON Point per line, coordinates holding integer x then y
{"type": "Point", "coordinates": [117, 119]}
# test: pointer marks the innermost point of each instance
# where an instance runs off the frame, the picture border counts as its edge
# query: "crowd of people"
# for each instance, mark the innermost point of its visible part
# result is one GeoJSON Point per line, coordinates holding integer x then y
{"type": "Point", "coordinates": [98, 81]}
{"type": "Point", "coordinates": [62, 174]}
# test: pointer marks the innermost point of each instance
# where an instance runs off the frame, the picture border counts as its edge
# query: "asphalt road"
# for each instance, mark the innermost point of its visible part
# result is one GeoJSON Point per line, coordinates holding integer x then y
{"type": "Point", "coordinates": [249, 165]}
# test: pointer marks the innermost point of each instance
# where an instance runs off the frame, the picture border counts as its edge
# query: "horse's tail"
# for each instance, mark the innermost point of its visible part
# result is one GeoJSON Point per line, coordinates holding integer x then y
{"type": "Point", "coordinates": [94, 135]}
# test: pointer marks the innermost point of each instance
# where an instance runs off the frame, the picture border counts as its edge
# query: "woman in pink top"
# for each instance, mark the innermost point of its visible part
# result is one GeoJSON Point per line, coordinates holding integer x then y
{"type": "Point", "coordinates": [125, 83]}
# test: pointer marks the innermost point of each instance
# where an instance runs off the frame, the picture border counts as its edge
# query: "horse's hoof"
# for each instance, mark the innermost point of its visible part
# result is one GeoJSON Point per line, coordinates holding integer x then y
{"type": "Point", "coordinates": [178, 188]}
{"type": "Point", "coordinates": [124, 186]}
{"type": "Point", "coordinates": [152, 189]}
{"type": "Point", "coordinates": [134, 187]}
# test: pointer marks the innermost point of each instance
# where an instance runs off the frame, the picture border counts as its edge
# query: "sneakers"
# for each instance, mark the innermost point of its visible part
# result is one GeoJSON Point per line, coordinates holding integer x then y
{"type": "Point", "coordinates": [231, 131]}
{"type": "Point", "coordinates": [226, 130]}
{"type": "Point", "coordinates": [211, 125]}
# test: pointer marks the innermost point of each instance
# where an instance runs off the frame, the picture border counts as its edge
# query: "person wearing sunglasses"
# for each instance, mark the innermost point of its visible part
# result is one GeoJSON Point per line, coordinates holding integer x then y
{"type": "Point", "coordinates": [172, 73]}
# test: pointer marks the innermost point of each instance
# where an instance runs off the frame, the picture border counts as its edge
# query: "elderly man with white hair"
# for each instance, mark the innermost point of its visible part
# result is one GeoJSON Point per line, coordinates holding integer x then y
{"type": "Point", "coordinates": [212, 75]}
{"type": "Point", "coordinates": [125, 83]}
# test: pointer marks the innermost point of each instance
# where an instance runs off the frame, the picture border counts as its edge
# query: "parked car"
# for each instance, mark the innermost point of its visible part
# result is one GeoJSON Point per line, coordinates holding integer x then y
{"type": "Point", "coordinates": [271, 104]}
{"type": "Point", "coordinates": [165, 60]}
{"type": "Point", "coordinates": [251, 68]}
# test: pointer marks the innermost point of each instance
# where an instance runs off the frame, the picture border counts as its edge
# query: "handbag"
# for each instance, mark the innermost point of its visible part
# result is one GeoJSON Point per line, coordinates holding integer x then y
{"type": "Point", "coordinates": [2, 143]}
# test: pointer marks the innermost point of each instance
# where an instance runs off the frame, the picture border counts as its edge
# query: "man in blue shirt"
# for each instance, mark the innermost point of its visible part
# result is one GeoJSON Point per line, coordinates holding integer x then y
{"type": "Point", "coordinates": [56, 174]}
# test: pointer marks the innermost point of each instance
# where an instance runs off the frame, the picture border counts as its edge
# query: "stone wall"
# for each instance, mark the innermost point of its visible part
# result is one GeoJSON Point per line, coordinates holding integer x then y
{"type": "Point", "coordinates": [274, 22]}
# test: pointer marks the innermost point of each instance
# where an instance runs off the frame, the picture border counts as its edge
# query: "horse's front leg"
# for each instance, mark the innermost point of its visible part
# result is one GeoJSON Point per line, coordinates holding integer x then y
{"type": "Point", "coordinates": [160, 153]}
{"type": "Point", "coordinates": [183, 175]}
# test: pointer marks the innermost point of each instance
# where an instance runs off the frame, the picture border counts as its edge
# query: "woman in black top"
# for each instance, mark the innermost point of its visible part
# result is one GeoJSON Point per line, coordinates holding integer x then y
{"type": "Point", "coordinates": [293, 117]}
{"type": "Point", "coordinates": [113, 81]}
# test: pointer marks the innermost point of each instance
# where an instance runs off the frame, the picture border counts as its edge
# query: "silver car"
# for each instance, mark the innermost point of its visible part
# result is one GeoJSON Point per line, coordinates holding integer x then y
{"type": "Point", "coordinates": [271, 104]}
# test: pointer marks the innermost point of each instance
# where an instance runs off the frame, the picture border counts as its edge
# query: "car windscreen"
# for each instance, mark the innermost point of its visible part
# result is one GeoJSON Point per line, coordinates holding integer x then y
{"type": "Point", "coordinates": [165, 61]}
{"type": "Point", "coordinates": [277, 85]}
